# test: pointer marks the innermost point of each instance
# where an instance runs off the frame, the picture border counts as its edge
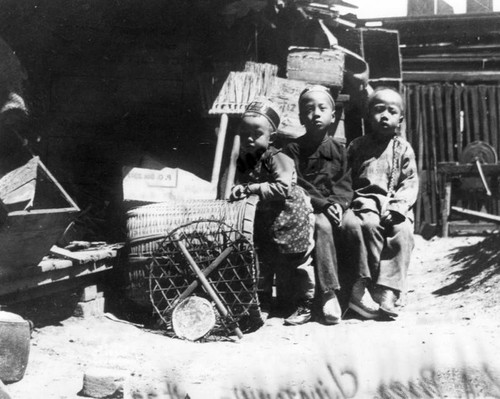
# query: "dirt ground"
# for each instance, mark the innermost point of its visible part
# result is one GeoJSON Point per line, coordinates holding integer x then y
{"type": "Point", "coordinates": [444, 344]}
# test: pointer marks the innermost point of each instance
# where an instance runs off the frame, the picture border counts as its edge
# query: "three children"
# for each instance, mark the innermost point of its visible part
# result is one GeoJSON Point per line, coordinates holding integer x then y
{"type": "Point", "coordinates": [364, 194]}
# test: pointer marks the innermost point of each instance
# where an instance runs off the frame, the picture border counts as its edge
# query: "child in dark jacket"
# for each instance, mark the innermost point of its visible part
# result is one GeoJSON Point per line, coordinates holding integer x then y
{"type": "Point", "coordinates": [323, 172]}
{"type": "Point", "coordinates": [284, 221]}
{"type": "Point", "coordinates": [378, 226]}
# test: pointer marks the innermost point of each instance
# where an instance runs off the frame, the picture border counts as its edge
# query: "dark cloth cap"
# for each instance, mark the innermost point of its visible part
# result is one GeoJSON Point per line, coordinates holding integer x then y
{"type": "Point", "coordinates": [265, 107]}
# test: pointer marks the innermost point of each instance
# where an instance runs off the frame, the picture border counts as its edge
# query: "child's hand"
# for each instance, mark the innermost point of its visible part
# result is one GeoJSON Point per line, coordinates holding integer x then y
{"type": "Point", "coordinates": [386, 219]}
{"type": "Point", "coordinates": [238, 192]}
{"type": "Point", "coordinates": [389, 218]}
{"type": "Point", "coordinates": [334, 214]}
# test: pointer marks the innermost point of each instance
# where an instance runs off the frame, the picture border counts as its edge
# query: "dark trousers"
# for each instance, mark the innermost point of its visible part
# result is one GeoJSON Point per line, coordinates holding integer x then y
{"type": "Point", "coordinates": [325, 257]}
{"type": "Point", "coordinates": [375, 252]}
{"type": "Point", "coordinates": [295, 283]}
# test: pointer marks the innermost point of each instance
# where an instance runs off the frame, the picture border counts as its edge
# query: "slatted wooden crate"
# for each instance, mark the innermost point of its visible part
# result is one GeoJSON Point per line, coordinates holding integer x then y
{"type": "Point", "coordinates": [316, 65]}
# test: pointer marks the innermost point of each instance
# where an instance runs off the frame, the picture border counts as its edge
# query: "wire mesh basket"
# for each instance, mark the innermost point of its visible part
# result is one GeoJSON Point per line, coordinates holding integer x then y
{"type": "Point", "coordinates": [149, 230]}
{"type": "Point", "coordinates": [227, 259]}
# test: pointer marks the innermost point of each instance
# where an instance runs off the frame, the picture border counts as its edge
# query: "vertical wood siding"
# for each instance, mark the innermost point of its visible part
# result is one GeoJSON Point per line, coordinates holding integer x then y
{"type": "Point", "coordinates": [441, 119]}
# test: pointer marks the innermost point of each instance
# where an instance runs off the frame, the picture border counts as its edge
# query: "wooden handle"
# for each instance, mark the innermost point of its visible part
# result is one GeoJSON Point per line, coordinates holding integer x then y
{"type": "Point", "coordinates": [206, 285]}
{"type": "Point", "coordinates": [210, 268]}
{"type": "Point", "coordinates": [235, 152]}
{"type": "Point", "coordinates": [483, 179]}
{"type": "Point", "coordinates": [219, 149]}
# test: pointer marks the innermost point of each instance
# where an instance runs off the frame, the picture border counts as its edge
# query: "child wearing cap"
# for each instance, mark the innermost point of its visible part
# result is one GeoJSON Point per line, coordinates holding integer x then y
{"type": "Point", "coordinates": [378, 227]}
{"type": "Point", "coordinates": [323, 172]}
{"type": "Point", "coordinates": [284, 222]}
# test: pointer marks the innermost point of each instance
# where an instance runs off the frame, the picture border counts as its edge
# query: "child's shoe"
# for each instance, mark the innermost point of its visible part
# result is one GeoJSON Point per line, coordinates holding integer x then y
{"type": "Point", "coordinates": [302, 315]}
{"type": "Point", "coordinates": [331, 311]}
{"type": "Point", "coordinates": [362, 302]}
{"type": "Point", "coordinates": [265, 306]}
{"type": "Point", "coordinates": [387, 298]}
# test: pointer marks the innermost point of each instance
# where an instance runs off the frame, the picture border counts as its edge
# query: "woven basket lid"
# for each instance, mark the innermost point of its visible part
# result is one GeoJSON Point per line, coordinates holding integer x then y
{"type": "Point", "coordinates": [193, 318]}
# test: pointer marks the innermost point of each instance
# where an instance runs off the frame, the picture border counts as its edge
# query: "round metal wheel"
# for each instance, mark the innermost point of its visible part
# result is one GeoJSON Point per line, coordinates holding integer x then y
{"type": "Point", "coordinates": [478, 150]}
{"type": "Point", "coordinates": [224, 255]}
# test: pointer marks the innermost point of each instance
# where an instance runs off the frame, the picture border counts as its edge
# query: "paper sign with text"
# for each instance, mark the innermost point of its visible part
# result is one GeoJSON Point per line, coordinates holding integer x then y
{"type": "Point", "coordinates": [167, 184]}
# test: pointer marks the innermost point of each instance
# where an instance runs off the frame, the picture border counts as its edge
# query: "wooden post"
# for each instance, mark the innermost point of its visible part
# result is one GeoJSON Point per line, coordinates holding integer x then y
{"type": "Point", "coordinates": [445, 211]}
{"type": "Point", "coordinates": [231, 173]}
{"type": "Point", "coordinates": [219, 149]}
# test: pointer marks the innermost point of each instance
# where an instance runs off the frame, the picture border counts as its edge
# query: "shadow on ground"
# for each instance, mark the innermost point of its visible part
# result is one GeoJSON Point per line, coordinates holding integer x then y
{"type": "Point", "coordinates": [475, 264]}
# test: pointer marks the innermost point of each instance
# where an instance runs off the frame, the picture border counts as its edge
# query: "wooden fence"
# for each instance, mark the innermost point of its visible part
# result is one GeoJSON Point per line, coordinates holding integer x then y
{"type": "Point", "coordinates": [441, 119]}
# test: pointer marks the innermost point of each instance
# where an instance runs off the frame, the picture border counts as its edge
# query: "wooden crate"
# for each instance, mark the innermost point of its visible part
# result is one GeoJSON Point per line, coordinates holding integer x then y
{"type": "Point", "coordinates": [38, 211]}
{"type": "Point", "coordinates": [316, 65]}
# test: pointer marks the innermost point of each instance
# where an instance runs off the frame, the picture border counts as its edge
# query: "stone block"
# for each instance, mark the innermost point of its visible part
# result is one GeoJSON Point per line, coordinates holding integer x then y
{"type": "Point", "coordinates": [89, 293]}
{"type": "Point", "coordinates": [99, 382]}
{"type": "Point", "coordinates": [93, 308]}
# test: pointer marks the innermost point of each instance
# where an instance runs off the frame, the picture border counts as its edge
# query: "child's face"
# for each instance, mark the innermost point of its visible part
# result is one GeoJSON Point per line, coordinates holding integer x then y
{"type": "Point", "coordinates": [255, 132]}
{"type": "Point", "coordinates": [316, 112]}
{"type": "Point", "coordinates": [385, 112]}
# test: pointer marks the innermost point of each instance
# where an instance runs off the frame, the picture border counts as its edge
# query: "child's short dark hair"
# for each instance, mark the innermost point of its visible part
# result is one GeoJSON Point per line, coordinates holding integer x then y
{"type": "Point", "coordinates": [378, 89]}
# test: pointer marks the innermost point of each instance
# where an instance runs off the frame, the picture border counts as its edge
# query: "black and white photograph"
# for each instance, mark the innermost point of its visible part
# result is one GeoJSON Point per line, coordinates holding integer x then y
{"type": "Point", "coordinates": [249, 199]}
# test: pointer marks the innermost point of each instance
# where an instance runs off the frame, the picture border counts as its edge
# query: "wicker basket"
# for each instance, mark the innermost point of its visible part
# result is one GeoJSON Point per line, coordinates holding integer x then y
{"type": "Point", "coordinates": [147, 227]}
{"type": "Point", "coordinates": [316, 65]}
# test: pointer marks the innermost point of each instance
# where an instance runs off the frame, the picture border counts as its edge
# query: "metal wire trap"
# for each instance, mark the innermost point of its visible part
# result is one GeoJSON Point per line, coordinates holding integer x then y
{"type": "Point", "coordinates": [224, 256]}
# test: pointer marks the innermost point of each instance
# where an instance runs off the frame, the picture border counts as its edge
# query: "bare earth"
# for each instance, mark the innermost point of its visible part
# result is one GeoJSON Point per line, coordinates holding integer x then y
{"type": "Point", "coordinates": [445, 344]}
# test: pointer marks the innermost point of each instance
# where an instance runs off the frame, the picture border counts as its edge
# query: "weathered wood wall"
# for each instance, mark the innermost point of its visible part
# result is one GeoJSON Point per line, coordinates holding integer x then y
{"type": "Point", "coordinates": [441, 120]}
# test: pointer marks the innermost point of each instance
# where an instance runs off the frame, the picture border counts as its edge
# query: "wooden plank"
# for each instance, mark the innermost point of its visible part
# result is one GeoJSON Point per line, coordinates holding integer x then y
{"type": "Point", "coordinates": [492, 117]}
{"type": "Point", "coordinates": [451, 130]}
{"type": "Point", "coordinates": [466, 98]}
{"type": "Point", "coordinates": [445, 211]}
{"type": "Point", "coordinates": [433, 154]}
{"type": "Point", "coordinates": [29, 293]}
{"type": "Point", "coordinates": [451, 76]}
{"type": "Point", "coordinates": [474, 110]}
{"type": "Point", "coordinates": [420, 130]}
{"type": "Point", "coordinates": [420, 154]}
{"type": "Point", "coordinates": [19, 186]}
{"type": "Point", "coordinates": [425, 155]}
{"type": "Point", "coordinates": [484, 132]}
{"type": "Point", "coordinates": [468, 228]}
{"type": "Point", "coordinates": [440, 129]}
{"type": "Point", "coordinates": [83, 256]}
{"type": "Point", "coordinates": [408, 114]}
{"type": "Point", "coordinates": [44, 279]}
{"type": "Point", "coordinates": [231, 173]}
{"type": "Point", "coordinates": [497, 109]}
{"type": "Point", "coordinates": [219, 149]}
{"type": "Point", "coordinates": [460, 28]}
{"type": "Point", "coordinates": [457, 102]}
{"type": "Point", "coordinates": [426, 203]}
{"type": "Point", "coordinates": [457, 169]}
{"type": "Point", "coordinates": [475, 214]}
